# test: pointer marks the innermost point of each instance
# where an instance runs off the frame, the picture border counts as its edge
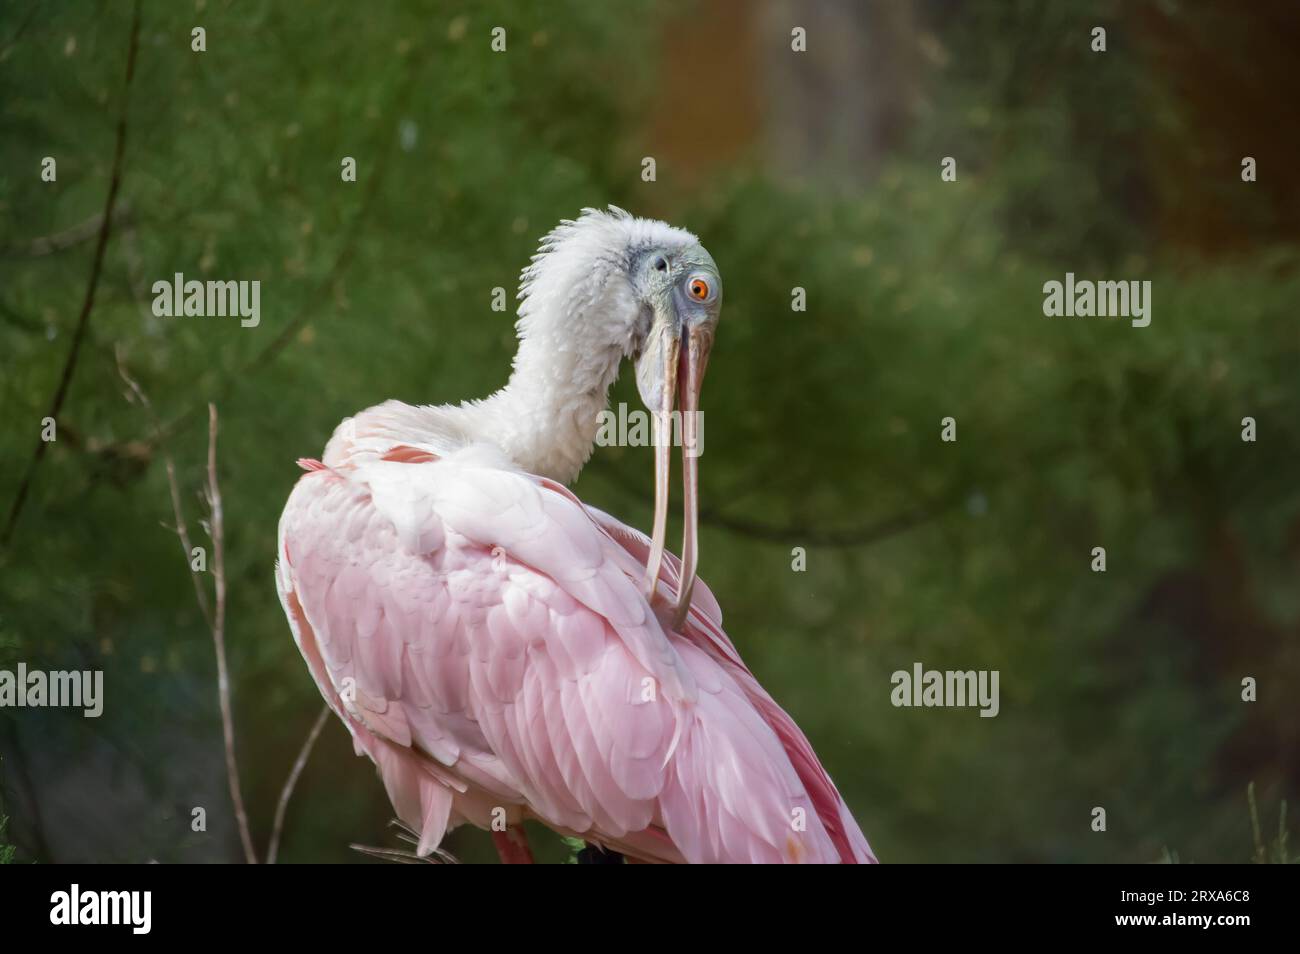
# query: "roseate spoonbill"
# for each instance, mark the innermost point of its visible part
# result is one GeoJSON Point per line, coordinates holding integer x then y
{"type": "Point", "coordinates": [504, 652]}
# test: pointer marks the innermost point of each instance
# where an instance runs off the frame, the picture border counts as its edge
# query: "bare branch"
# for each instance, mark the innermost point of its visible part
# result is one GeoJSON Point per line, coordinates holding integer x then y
{"type": "Point", "coordinates": [22, 28]}
{"type": "Point", "coordinates": [404, 856]}
{"type": "Point", "coordinates": [181, 530]}
{"type": "Point", "coordinates": [88, 303]}
{"type": "Point", "coordinates": [813, 536]}
{"type": "Point", "coordinates": [67, 238]}
{"type": "Point", "coordinates": [273, 848]}
{"type": "Point", "coordinates": [838, 537]}
{"type": "Point", "coordinates": [216, 524]}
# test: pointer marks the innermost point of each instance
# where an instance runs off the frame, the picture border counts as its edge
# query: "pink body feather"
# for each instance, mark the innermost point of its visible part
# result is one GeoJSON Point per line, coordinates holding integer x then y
{"type": "Point", "coordinates": [484, 637]}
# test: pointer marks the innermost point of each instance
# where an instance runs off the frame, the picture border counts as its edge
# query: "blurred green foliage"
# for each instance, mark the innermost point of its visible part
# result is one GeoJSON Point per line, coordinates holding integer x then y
{"type": "Point", "coordinates": [7, 852]}
{"type": "Point", "coordinates": [1119, 689]}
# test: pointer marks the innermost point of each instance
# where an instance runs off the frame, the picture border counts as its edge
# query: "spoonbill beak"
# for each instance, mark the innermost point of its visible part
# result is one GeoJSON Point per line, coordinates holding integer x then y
{"type": "Point", "coordinates": [671, 368]}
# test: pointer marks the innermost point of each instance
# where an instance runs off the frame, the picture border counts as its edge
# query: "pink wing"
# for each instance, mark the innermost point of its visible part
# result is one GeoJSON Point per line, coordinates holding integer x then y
{"type": "Point", "coordinates": [483, 636]}
{"type": "Point", "coordinates": [704, 628]}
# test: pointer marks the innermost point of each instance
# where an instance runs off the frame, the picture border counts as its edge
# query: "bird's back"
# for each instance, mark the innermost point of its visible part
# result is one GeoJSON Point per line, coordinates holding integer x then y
{"type": "Point", "coordinates": [483, 635]}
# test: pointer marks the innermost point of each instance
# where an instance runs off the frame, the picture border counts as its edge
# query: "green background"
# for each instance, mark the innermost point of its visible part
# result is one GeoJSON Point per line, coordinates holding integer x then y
{"type": "Point", "coordinates": [819, 170]}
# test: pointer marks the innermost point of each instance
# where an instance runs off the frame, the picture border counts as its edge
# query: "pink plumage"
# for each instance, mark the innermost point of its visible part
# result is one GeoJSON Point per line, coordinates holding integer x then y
{"type": "Point", "coordinates": [481, 634]}
{"type": "Point", "coordinates": [490, 644]}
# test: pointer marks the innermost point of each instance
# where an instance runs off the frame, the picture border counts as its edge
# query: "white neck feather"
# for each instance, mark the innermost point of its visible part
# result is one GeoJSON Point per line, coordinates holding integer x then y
{"type": "Point", "coordinates": [577, 321]}
{"type": "Point", "coordinates": [545, 419]}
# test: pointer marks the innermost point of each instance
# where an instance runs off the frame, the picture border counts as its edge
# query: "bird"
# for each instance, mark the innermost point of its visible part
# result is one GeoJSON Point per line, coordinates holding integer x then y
{"type": "Point", "coordinates": [504, 652]}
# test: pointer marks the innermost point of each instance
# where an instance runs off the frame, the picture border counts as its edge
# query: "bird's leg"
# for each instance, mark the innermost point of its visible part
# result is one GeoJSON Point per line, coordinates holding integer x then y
{"type": "Point", "coordinates": [512, 846]}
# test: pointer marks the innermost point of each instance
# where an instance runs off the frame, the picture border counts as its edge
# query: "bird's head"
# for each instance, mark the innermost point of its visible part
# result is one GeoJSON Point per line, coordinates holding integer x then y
{"type": "Point", "coordinates": [680, 294]}
{"type": "Point", "coordinates": [609, 285]}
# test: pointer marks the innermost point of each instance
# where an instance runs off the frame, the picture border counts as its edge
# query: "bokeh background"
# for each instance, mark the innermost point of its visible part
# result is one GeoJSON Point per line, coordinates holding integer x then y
{"type": "Point", "coordinates": [819, 170]}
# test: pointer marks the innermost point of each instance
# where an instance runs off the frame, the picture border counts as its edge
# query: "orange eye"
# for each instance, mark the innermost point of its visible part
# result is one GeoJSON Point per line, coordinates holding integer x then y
{"type": "Point", "coordinates": [699, 289]}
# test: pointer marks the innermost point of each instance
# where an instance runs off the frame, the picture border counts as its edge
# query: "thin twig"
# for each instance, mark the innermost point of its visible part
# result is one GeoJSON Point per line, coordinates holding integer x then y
{"type": "Point", "coordinates": [812, 536]}
{"type": "Point", "coordinates": [216, 531]}
{"type": "Point", "coordinates": [864, 535]}
{"type": "Point", "coordinates": [65, 239]}
{"type": "Point", "coordinates": [273, 848]}
{"type": "Point", "coordinates": [22, 28]}
{"type": "Point", "coordinates": [105, 227]}
{"type": "Point", "coordinates": [401, 855]}
{"type": "Point", "coordinates": [216, 623]}
{"type": "Point", "coordinates": [182, 531]}
{"type": "Point", "coordinates": [1261, 853]}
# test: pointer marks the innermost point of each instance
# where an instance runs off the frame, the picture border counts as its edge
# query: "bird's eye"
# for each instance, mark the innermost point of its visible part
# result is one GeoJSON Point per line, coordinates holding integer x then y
{"type": "Point", "coordinates": [661, 265]}
{"type": "Point", "coordinates": [699, 289]}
